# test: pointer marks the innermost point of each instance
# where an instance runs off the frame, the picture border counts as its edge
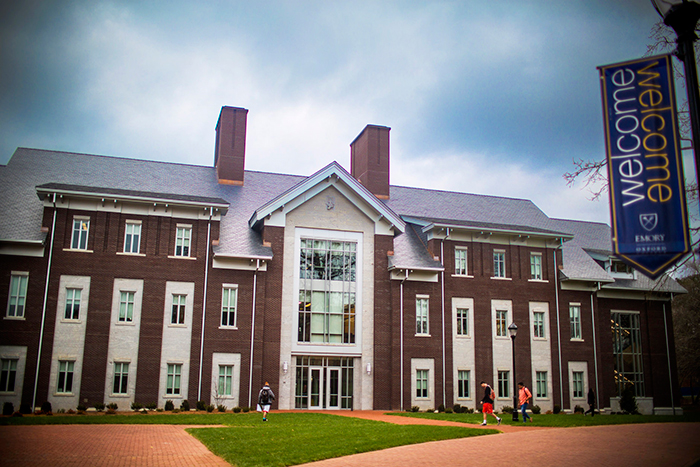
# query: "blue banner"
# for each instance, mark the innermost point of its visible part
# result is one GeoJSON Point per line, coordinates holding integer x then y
{"type": "Point", "coordinates": [645, 170]}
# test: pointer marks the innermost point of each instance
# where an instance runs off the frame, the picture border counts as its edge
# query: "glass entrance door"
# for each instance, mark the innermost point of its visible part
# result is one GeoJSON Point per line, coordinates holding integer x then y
{"type": "Point", "coordinates": [333, 387]}
{"type": "Point", "coordinates": [316, 387]}
{"type": "Point", "coordinates": [323, 383]}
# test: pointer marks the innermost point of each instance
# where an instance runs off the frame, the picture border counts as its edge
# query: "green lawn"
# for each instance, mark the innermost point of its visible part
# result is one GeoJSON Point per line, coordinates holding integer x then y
{"type": "Point", "coordinates": [287, 439]}
{"type": "Point", "coordinates": [558, 420]}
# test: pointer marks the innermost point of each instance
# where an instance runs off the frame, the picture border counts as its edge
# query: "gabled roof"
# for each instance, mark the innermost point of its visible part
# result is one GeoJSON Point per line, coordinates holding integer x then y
{"type": "Point", "coordinates": [431, 223]}
{"type": "Point", "coordinates": [331, 170]}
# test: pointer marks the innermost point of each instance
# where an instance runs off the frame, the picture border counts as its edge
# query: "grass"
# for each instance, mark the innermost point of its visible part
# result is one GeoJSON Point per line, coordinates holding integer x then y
{"type": "Point", "coordinates": [287, 439]}
{"type": "Point", "coordinates": [558, 420]}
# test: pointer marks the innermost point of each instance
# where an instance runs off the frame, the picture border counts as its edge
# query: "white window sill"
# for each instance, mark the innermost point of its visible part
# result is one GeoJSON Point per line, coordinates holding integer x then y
{"type": "Point", "coordinates": [173, 396]}
{"type": "Point", "coordinates": [16, 318]}
{"type": "Point", "coordinates": [464, 276]}
{"type": "Point", "coordinates": [541, 281]}
{"type": "Point", "coordinates": [63, 394]}
{"type": "Point", "coordinates": [78, 250]}
{"type": "Point", "coordinates": [463, 336]}
{"type": "Point", "coordinates": [578, 339]}
{"type": "Point", "coordinates": [126, 253]}
{"type": "Point", "coordinates": [422, 335]}
{"type": "Point", "coordinates": [502, 278]}
{"type": "Point", "coordinates": [71, 321]}
{"type": "Point", "coordinates": [229, 328]}
{"type": "Point", "coordinates": [125, 323]}
{"type": "Point", "coordinates": [182, 257]}
{"type": "Point", "coordinates": [177, 325]}
{"type": "Point", "coordinates": [541, 339]}
{"type": "Point", "coordinates": [120, 396]}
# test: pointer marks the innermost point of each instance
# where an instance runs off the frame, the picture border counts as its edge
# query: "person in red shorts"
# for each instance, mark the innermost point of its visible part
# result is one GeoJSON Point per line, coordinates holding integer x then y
{"type": "Point", "coordinates": [487, 402]}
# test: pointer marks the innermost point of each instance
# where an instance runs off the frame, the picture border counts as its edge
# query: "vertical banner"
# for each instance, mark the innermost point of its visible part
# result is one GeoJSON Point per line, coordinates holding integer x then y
{"type": "Point", "coordinates": [645, 170]}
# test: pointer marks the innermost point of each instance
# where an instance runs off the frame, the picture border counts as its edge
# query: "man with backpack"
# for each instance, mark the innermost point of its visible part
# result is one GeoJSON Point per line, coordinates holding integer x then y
{"type": "Point", "coordinates": [265, 398]}
{"type": "Point", "coordinates": [487, 402]}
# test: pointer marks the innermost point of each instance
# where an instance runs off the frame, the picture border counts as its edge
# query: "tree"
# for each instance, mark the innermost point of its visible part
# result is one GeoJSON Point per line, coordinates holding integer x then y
{"type": "Point", "coordinates": [686, 329]}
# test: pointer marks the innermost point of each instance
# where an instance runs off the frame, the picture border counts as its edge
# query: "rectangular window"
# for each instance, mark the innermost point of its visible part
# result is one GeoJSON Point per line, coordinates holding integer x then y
{"type": "Point", "coordinates": [460, 261]}
{"type": "Point", "coordinates": [182, 241]}
{"type": "Point", "coordinates": [72, 304]}
{"type": "Point", "coordinates": [178, 315]}
{"type": "Point", "coordinates": [462, 321]}
{"type": "Point", "coordinates": [422, 316]}
{"type": "Point", "coordinates": [541, 378]}
{"type": "Point", "coordinates": [126, 307]}
{"type": "Point", "coordinates": [577, 384]}
{"type": "Point", "coordinates": [225, 380]}
{"type": "Point", "coordinates": [575, 320]}
{"type": "Point", "coordinates": [501, 323]}
{"type": "Point", "coordinates": [463, 384]}
{"type": "Point", "coordinates": [79, 240]}
{"type": "Point", "coordinates": [503, 384]}
{"type": "Point", "coordinates": [65, 377]}
{"type": "Point", "coordinates": [627, 352]}
{"type": "Point", "coordinates": [18, 295]}
{"type": "Point", "coordinates": [327, 284]}
{"type": "Point", "coordinates": [536, 266]}
{"type": "Point", "coordinates": [499, 263]}
{"type": "Point", "coordinates": [132, 237]}
{"type": "Point", "coordinates": [172, 386]}
{"type": "Point", "coordinates": [121, 378]}
{"type": "Point", "coordinates": [421, 384]}
{"type": "Point", "coordinates": [8, 373]}
{"type": "Point", "coordinates": [229, 299]}
{"type": "Point", "coordinates": [538, 324]}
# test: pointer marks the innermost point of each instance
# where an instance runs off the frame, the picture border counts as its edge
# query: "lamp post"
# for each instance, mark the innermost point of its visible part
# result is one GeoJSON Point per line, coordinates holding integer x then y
{"type": "Point", "coordinates": [513, 331]}
{"type": "Point", "coordinates": [683, 16]}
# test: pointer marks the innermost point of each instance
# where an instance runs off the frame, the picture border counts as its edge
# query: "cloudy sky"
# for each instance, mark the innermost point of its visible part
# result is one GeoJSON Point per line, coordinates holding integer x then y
{"type": "Point", "coordinates": [491, 97]}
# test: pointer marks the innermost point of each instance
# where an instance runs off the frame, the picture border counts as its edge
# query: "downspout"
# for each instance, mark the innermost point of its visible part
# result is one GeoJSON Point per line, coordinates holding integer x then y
{"type": "Point", "coordinates": [556, 292]}
{"type": "Point", "coordinates": [668, 356]}
{"type": "Point", "coordinates": [595, 353]}
{"type": "Point", "coordinates": [401, 335]}
{"type": "Point", "coordinates": [252, 334]}
{"type": "Point", "coordinates": [43, 309]}
{"type": "Point", "coordinates": [442, 281]}
{"type": "Point", "coordinates": [204, 304]}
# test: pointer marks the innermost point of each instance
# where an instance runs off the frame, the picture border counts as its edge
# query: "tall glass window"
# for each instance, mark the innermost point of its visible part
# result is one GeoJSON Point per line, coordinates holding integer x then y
{"type": "Point", "coordinates": [172, 386]}
{"type": "Point", "coordinates": [463, 384]}
{"type": "Point", "coordinates": [65, 377]}
{"type": "Point", "coordinates": [538, 324]}
{"type": "Point", "coordinates": [229, 301]}
{"type": "Point", "coordinates": [627, 352]}
{"type": "Point", "coordinates": [79, 240]}
{"type": "Point", "coordinates": [182, 241]}
{"type": "Point", "coordinates": [132, 237]}
{"type": "Point", "coordinates": [503, 384]}
{"type": "Point", "coordinates": [460, 261]}
{"type": "Point", "coordinates": [422, 315]}
{"type": "Point", "coordinates": [72, 304]}
{"type": "Point", "coordinates": [501, 323]}
{"type": "Point", "coordinates": [18, 295]}
{"type": "Point", "coordinates": [499, 263]}
{"type": "Point", "coordinates": [327, 291]}
{"type": "Point", "coordinates": [178, 314]}
{"type": "Point", "coordinates": [536, 266]}
{"type": "Point", "coordinates": [575, 320]}
{"type": "Point", "coordinates": [225, 380]}
{"type": "Point", "coordinates": [422, 384]}
{"type": "Point", "coordinates": [121, 378]}
{"type": "Point", "coordinates": [126, 307]}
{"type": "Point", "coordinates": [462, 321]}
{"type": "Point", "coordinates": [8, 374]}
{"type": "Point", "coordinates": [541, 378]}
{"type": "Point", "coordinates": [577, 384]}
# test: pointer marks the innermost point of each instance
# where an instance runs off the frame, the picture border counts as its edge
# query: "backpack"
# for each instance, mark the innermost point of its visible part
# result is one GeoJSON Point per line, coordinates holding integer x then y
{"type": "Point", "coordinates": [265, 396]}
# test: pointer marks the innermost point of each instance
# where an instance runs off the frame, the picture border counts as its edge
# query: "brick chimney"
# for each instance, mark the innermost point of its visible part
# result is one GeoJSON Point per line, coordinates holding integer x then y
{"type": "Point", "coordinates": [369, 159]}
{"type": "Point", "coordinates": [229, 152]}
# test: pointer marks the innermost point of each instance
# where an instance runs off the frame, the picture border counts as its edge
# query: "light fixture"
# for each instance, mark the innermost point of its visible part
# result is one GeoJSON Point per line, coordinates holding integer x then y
{"type": "Point", "coordinates": [513, 331]}
{"type": "Point", "coordinates": [369, 369]}
{"type": "Point", "coordinates": [285, 367]}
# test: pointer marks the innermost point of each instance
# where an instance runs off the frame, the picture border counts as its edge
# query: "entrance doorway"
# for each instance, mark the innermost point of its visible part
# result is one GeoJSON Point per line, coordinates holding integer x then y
{"type": "Point", "coordinates": [323, 383]}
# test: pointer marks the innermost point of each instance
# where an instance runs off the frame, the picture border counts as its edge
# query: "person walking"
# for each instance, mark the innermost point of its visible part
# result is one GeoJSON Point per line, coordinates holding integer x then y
{"type": "Point", "coordinates": [265, 398]}
{"type": "Point", "coordinates": [487, 402]}
{"type": "Point", "coordinates": [524, 397]}
{"type": "Point", "coordinates": [591, 403]}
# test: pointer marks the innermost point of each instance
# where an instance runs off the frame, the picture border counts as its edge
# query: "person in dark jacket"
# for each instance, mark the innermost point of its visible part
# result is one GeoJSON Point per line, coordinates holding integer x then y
{"type": "Point", "coordinates": [265, 398]}
{"type": "Point", "coordinates": [591, 403]}
{"type": "Point", "coordinates": [487, 402]}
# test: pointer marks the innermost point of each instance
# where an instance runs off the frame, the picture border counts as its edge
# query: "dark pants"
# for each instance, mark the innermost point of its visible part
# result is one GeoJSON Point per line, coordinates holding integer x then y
{"type": "Point", "coordinates": [591, 410]}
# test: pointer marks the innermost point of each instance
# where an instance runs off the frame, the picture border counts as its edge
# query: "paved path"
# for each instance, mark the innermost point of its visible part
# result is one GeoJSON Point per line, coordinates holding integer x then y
{"type": "Point", "coordinates": [667, 445]}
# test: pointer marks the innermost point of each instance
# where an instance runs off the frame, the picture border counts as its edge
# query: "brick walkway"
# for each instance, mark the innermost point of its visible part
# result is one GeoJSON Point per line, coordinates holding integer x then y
{"type": "Point", "coordinates": [667, 444]}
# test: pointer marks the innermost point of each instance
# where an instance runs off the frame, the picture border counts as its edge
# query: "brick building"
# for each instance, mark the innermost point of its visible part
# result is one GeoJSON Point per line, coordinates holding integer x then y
{"type": "Point", "coordinates": [137, 281]}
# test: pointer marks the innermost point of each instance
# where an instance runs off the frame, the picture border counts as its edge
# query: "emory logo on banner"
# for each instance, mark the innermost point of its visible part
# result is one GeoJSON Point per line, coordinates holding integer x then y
{"type": "Point", "coordinates": [647, 189]}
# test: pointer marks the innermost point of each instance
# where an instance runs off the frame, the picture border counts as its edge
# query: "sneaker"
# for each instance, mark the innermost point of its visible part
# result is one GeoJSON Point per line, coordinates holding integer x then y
{"type": "Point", "coordinates": [483, 424]}
{"type": "Point", "coordinates": [499, 421]}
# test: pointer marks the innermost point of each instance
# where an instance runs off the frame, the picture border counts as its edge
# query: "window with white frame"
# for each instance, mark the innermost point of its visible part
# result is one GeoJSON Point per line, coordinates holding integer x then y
{"type": "Point", "coordinates": [463, 384]}
{"type": "Point", "coordinates": [225, 380]}
{"type": "Point", "coordinates": [538, 324]}
{"type": "Point", "coordinates": [536, 266]}
{"type": "Point", "coordinates": [72, 311]}
{"type": "Point", "coordinates": [577, 384]}
{"type": "Point", "coordinates": [501, 323]}
{"type": "Point", "coordinates": [183, 237]}
{"type": "Point", "coordinates": [627, 352]}
{"type": "Point", "coordinates": [178, 314]}
{"type": "Point", "coordinates": [64, 385]}
{"type": "Point", "coordinates": [126, 307]}
{"type": "Point", "coordinates": [462, 321]}
{"type": "Point", "coordinates": [229, 300]}
{"type": "Point", "coordinates": [81, 228]}
{"type": "Point", "coordinates": [121, 378]}
{"type": "Point", "coordinates": [422, 384]}
{"type": "Point", "coordinates": [422, 316]}
{"type": "Point", "coordinates": [17, 296]}
{"type": "Point", "coordinates": [503, 384]}
{"type": "Point", "coordinates": [575, 320]}
{"type": "Point", "coordinates": [499, 263]}
{"type": "Point", "coordinates": [8, 374]}
{"type": "Point", "coordinates": [327, 290]}
{"type": "Point", "coordinates": [132, 237]}
{"type": "Point", "coordinates": [541, 381]}
{"type": "Point", "coordinates": [460, 261]}
{"type": "Point", "coordinates": [172, 385]}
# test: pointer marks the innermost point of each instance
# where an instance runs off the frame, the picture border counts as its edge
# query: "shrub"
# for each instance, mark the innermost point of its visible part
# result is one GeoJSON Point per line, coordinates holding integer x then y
{"type": "Point", "coordinates": [457, 408]}
{"type": "Point", "coordinates": [111, 412]}
{"type": "Point", "coordinates": [507, 409]}
{"type": "Point", "coordinates": [236, 410]}
{"type": "Point", "coordinates": [46, 407]}
{"type": "Point", "coordinates": [152, 406]}
{"type": "Point", "coordinates": [468, 410]}
{"type": "Point", "coordinates": [415, 408]}
{"type": "Point", "coordinates": [201, 405]}
{"type": "Point", "coordinates": [536, 410]}
{"type": "Point", "coordinates": [17, 414]}
{"type": "Point", "coordinates": [628, 403]}
{"type": "Point", "coordinates": [441, 408]}
{"type": "Point", "coordinates": [185, 406]}
{"type": "Point", "coordinates": [8, 408]}
{"type": "Point", "coordinates": [210, 408]}
{"type": "Point", "coordinates": [169, 405]}
{"type": "Point", "coordinates": [557, 409]}
{"type": "Point", "coordinates": [578, 409]}
{"type": "Point", "coordinates": [61, 411]}
{"type": "Point", "coordinates": [81, 408]}
{"type": "Point", "coordinates": [136, 406]}
{"type": "Point", "coordinates": [159, 409]}
{"type": "Point", "coordinates": [70, 412]}
{"type": "Point", "coordinates": [144, 411]}
{"type": "Point", "coordinates": [112, 406]}
{"type": "Point", "coordinates": [448, 410]}
{"type": "Point", "coordinates": [245, 409]}
{"type": "Point", "coordinates": [99, 407]}
{"type": "Point", "coordinates": [176, 410]}
{"type": "Point", "coordinates": [549, 412]}
{"type": "Point", "coordinates": [25, 409]}
{"type": "Point", "coordinates": [221, 408]}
